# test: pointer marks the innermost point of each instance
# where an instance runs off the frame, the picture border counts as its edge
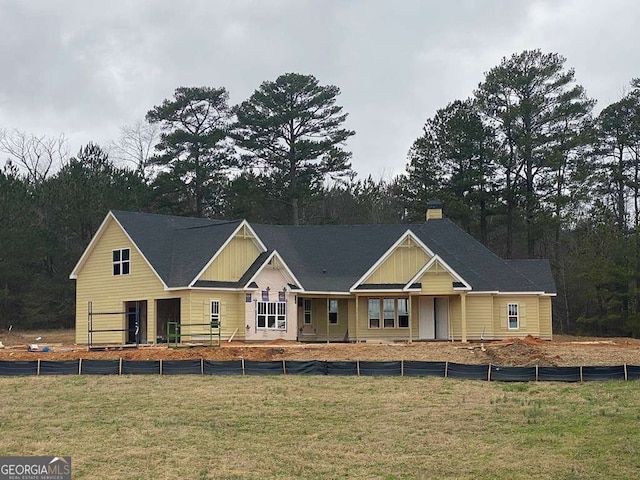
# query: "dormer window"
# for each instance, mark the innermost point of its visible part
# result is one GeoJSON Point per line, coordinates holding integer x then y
{"type": "Point", "coordinates": [121, 261]}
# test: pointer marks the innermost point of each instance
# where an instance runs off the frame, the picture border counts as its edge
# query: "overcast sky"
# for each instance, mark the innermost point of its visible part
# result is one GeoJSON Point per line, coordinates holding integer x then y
{"type": "Point", "coordinates": [86, 68]}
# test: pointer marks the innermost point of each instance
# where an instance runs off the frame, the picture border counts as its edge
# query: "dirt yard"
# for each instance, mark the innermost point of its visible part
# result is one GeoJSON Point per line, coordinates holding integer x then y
{"type": "Point", "coordinates": [562, 351]}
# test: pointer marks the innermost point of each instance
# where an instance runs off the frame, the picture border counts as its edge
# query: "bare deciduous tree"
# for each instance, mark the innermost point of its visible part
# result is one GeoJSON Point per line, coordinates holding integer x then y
{"type": "Point", "coordinates": [37, 155]}
{"type": "Point", "coordinates": [136, 145]}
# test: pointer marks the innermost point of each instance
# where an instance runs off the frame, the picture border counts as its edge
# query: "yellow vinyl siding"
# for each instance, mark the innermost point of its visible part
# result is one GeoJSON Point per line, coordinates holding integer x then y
{"type": "Point", "coordinates": [232, 313]}
{"type": "Point", "coordinates": [544, 306]}
{"type": "Point", "coordinates": [455, 316]}
{"type": "Point", "coordinates": [479, 317]}
{"type": "Point", "coordinates": [236, 257]}
{"type": "Point", "coordinates": [351, 312]}
{"type": "Point", "coordinates": [437, 283]}
{"type": "Point", "coordinates": [527, 313]}
{"type": "Point", "coordinates": [96, 283]}
{"type": "Point", "coordinates": [403, 263]}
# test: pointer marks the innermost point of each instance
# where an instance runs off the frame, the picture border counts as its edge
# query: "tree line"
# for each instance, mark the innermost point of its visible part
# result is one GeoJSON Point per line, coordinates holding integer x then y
{"type": "Point", "coordinates": [524, 165]}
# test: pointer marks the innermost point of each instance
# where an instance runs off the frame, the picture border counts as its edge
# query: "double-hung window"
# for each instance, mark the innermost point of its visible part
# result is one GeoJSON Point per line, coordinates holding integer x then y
{"type": "Point", "coordinates": [121, 259]}
{"type": "Point", "coordinates": [512, 316]}
{"type": "Point", "coordinates": [389, 311]}
{"type": "Point", "coordinates": [395, 313]}
{"type": "Point", "coordinates": [374, 313]}
{"type": "Point", "coordinates": [333, 311]}
{"type": "Point", "coordinates": [215, 313]}
{"type": "Point", "coordinates": [403, 313]}
{"type": "Point", "coordinates": [271, 315]}
{"type": "Point", "coordinates": [307, 311]}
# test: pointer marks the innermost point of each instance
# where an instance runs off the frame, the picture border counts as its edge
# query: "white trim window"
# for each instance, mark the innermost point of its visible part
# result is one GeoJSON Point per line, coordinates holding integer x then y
{"type": "Point", "coordinates": [215, 314]}
{"type": "Point", "coordinates": [513, 317]}
{"type": "Point", "coordinates": [306, 302]}
{"type": "Point", "coordinates": [333, 311]}
{"type": "Point", "coordinates": [271, 315]}
{"type": "Point", "coordinates": [403, 313]}
{"type": "Point", "coordinates": [389, 313]}
{"type": "Point", "coordinates": [395, 312]}
{"type": "Point", "coordinates": [374, 313]}
{"type": "Point", "coordinates": [121, 260]}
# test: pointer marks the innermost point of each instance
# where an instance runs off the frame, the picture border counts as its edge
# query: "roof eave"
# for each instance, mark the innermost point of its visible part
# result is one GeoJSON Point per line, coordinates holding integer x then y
{"type": "Point", "coordinates": [90, 247]}
{"type": "Point", "coordinates": [451, 271]}
{"type": "Point", "coordinates": [284, 264]}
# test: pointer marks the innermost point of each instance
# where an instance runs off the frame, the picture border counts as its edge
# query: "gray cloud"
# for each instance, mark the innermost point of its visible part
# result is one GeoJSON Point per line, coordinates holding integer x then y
{"type": "Point", "coordinates": [88, 68]}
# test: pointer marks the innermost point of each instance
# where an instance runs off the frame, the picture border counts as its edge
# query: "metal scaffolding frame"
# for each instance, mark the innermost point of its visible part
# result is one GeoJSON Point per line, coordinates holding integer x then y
{"type": "Point", "coordinates": [91, 330]}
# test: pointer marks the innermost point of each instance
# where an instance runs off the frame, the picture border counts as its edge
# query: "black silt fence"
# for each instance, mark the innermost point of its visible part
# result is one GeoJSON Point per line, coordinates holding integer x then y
{"type": "Point", "coordinates": [140, 367]}
{"type": "Point", "coordinates": [254, 367]}
{"type": "Point", "coordinates": [65, 367]}
{"type": "Point", "coordinates": [468, 372]}
{"type": "Point", "coordinates": [182, 367]}
{"type": "Point", "coordinates": [603, 373]}
{"type": "Point", "coordinates": [311, 367]}
{"type": "Point", "coordinates": [415, 368]}
{"type": "Point", "coordinates": [342, 368]}
{"type": "Point", "coordinates": [380, 369]}
{"type": "Point", "coordinates": [559, 374]}
{"type": "Point", "coordinates": [513, 374]}
{"type": "Point", "coordinates": [317, 367]}
{"type": "Point", "coordinates": [633, 372]}
{"type": "Point", "coordinates": [231, 367]}
{"type": "Point", "coordinates": [100, 367]}
{"type": "Point", "coordinates": [29, 367]}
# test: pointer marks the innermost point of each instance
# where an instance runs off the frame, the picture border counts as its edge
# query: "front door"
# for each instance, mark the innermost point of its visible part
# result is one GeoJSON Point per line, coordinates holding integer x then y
{"type": "Point", "coordinates": [434, 318]}
{"type": "Point", "coordinates": [442, 318]}
{"type": "Point", "coordinates": [427, 326]}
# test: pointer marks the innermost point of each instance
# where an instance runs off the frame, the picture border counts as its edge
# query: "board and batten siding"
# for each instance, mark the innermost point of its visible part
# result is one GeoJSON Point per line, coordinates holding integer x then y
{"type": "Point", "coordinates": [234, 260]}
{"type": "Point", "coordinates": [403, 263]}
{"type": "Point", "coordinates": [96, 283]}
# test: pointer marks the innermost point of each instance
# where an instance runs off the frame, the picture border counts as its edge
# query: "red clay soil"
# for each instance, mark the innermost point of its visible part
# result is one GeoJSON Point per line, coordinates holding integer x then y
{"type": "Point", "coordinates": [563, 350]}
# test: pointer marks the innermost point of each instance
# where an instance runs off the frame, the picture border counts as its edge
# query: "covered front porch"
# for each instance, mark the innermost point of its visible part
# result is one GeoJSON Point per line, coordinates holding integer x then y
{"type": "Point", "coordinates": [412, 317]}
{"type": "Point", "coordinates": [382, 316]}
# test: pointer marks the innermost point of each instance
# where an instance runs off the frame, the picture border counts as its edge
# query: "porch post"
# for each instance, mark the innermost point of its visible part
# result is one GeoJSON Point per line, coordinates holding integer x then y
{"type": "Point", "coordinates": [463, 309]}
{"type": "Point", "coordinates": [357, 316]}
{"type": "Point", "coordinates": [327, 312]}
{"type": "Point", "coordinates": [410, 319]}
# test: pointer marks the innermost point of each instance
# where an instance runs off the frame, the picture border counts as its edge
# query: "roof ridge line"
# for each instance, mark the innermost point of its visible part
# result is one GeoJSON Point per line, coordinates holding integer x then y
{"type": "Point", "coordinates": [227, 222]}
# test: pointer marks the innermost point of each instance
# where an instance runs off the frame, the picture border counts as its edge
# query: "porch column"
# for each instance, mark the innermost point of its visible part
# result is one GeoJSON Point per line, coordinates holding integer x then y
{"type": "Point", "coordinates": [327, 312]}
{"type": "Point", "coordinates": [410, 320]}
{"type": "Point", "coordinates": [152, 317]}
{"type": "Point", "coordinates": [357, 316]}
{"type": "Point", "coordinates": [463, 309]}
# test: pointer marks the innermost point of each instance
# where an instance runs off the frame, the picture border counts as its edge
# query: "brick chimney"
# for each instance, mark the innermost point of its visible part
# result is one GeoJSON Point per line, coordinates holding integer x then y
{"type": "Point", "coordinates": [434, 210]}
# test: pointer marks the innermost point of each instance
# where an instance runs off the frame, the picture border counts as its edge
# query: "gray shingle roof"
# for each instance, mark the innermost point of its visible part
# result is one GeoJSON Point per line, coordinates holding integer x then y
{"type": "Point", "coordinates": [538, 271]}
{"type": "Point", "coordinates": [177, 247]}
{"type": "Point", "coordinates": [329, 258]}
{"type": "Point", "coordinates": [326, 258]}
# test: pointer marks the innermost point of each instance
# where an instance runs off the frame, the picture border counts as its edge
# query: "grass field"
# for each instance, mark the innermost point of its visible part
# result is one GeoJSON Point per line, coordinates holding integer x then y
{"type": "Point", "coordinates": [323, 427]}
